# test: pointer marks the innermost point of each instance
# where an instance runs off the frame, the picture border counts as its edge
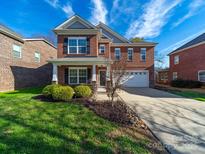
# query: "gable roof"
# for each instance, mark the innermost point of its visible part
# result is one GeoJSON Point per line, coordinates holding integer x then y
{"type": "Point", "coordinates": [196, 41]}
{"type": "Point", "coordinates": [73, 20]}
{"type": "Point", "coordinates": [103, 26]}
{"type": "Point", "coordinates": [8, 32]}
{"type": "Point", "coordinates": [40, 39]}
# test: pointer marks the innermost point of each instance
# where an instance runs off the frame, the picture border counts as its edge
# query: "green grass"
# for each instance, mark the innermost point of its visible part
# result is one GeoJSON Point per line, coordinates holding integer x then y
{"type": "Point", "coordinates": [192, 95]}
{"type": "Point", "coordinates": [31, 126]}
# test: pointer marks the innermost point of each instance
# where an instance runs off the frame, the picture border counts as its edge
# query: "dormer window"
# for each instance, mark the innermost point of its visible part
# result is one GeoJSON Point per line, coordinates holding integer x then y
{"type": "Point", "coordinates": [77, 45]}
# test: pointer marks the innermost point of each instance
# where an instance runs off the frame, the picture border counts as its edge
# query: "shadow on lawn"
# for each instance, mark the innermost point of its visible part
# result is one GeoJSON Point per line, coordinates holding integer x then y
{"type": "Point", "coordinates": [37, 90]}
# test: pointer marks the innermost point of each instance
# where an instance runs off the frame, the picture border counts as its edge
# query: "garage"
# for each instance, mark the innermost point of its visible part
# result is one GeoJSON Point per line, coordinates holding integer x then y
{"type": "Point", "coordinates": [136, 78]}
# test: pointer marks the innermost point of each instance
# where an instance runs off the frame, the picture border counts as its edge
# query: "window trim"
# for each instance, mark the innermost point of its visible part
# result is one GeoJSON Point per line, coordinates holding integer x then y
{"type": "Point", "coordinates": [77, 39]}
{"type": "Point", "coordinates": [130, 49]}
{"type": "Point", "coordinates": [176, 62]}
{"type": "Point", "coordinates": [20, 47]}
{"type": "Point", "coordinates": [173, 76]}
{"type": "Point", "coordinates": [101, 45]}
{"type": "Point", "coordinates": [77, 68]}
{"type": "Point", "coordinates": [143, 60]}
{"type": "Point", "coordinates": [119, 53]}
{"type": "Point", "coordinates": [39, 56]}
{"type": "Point", "coordinates": [199, 76]}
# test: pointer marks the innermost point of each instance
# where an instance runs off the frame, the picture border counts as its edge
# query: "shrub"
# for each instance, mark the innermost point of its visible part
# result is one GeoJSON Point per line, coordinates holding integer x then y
{"type": "Point", "coordinates": [64, 93]}
{"type": "Point", "coordinates": [186, 83]}
{"type": "Point", "coordinates": [47, 90]}
{"type": "Point", "coordinates": [82, 91]}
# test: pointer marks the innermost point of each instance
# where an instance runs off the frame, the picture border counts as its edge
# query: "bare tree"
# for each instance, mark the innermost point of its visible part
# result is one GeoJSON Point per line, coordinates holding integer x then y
{"type": "Point", "coordinates": [118, 71]}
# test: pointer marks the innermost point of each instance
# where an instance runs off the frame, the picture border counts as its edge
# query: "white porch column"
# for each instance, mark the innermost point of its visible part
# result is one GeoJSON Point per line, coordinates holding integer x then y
{"type": "Point", "coordinates": [55, 74]}
{"type": "Point", "coordinates": [94, 73]}
{"type": "Point", "coordinates": [108, 73]}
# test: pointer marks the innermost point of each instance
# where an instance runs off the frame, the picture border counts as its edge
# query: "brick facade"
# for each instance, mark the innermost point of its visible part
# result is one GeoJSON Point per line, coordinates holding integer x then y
{"type": "Point", "coordinates": [191, 61]}
{"type": "Point", "coordinates": [24, 72]}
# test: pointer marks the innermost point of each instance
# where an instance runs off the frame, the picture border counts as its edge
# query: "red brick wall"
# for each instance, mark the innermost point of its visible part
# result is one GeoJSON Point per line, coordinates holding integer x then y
{"type": "Point", "coordinates": [107, 50]}
{"type": "Point", "coordinates": [93, 46]}
{"type": "Point", "coordinates": [190, 62]}
{"type": "Point", "coordinates": [136, 64]}
{"type": "Point", "coordinates": [24, 72]}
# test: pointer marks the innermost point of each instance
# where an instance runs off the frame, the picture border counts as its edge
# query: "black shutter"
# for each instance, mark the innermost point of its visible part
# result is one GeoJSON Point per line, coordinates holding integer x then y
{"type": "Point", "coordinates": [88, 45]}
{"type": "Point", "coordinates": [66, 76]}
{"type": "Point", "coordinates": [65, 46]}
{"type": "Point", "coordinates": [89, 75]}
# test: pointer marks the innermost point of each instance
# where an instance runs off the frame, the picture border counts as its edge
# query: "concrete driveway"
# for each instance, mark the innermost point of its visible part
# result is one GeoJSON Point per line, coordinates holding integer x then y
{"type": "Point", "coordinates": [178, 122]}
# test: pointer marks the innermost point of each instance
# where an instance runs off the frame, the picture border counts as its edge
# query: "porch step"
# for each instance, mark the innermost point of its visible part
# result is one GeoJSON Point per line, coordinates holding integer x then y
{"type": "Point", "coordinates": [101, 90]}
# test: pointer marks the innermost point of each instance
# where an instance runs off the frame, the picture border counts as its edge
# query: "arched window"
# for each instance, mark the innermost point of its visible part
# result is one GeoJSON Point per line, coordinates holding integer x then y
{"type": "Point", "coordinates": [201, 76]}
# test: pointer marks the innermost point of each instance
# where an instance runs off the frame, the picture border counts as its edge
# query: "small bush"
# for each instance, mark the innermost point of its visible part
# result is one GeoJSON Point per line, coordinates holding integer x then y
{"type": "Point", "coordinates": [186, 83]}
{"type": "Point", "coordinates": [82, 91]}
{"type": "Point", "coordinates": [64, 93]}
{"type": "Point", "coordinates": [47, 90]}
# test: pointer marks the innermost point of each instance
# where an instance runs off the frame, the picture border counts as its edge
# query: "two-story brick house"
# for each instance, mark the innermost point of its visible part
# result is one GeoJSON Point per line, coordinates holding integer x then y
{"type": "Point", "coordinates": [86, 52]}
{"type": "Point", "coordinates": [188, 61]}
{"type": "Point", "coordinates": [23, 62]}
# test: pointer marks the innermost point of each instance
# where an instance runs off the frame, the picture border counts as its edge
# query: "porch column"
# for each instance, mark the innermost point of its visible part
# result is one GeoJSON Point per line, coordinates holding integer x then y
{"type": "Point", "coordinates": [108, 73]}
{"type": "Point", "coordinates": [94, 85]}
{"type": "Point", "coordinates": [55, 74]}
{"type": "Point", "coordinates": [94, 73]}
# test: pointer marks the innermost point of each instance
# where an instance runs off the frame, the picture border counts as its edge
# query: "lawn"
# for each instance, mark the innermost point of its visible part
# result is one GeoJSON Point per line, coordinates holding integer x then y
{"type": "Point", "coordinates": [190, 94]}
{"type": "Point", "coordinates": [28, 125]}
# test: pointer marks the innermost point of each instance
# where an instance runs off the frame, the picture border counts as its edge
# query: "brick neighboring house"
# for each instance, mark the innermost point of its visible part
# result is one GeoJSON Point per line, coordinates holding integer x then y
{"type": "Point", "coordinates": [86, 52]}
{"type": "Point", "coordinates": [23, 62]}
{"type": "Point", "coordinates": [188, 61]}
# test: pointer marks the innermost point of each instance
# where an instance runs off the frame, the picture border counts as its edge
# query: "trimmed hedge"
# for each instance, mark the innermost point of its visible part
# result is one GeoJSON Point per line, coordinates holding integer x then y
{"type": "Point", "coordinates": [48, 90]}
{"type": "Point", "coordinates": [82, 91]}
{"type": "Point", "coordinates": [63, 93]}
{"type": "Point", "coordinates": [58, 92]}
{"type": "Point", "coordinates": [186, 83]}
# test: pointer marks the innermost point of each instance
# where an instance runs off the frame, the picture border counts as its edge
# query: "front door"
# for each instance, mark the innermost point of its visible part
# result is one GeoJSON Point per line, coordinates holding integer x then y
{"type": "Point", "coordinates": [102, 78]}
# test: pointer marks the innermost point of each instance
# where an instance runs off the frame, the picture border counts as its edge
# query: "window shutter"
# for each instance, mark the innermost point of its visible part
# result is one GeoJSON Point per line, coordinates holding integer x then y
{"type": "Point", "coordinates": [66, 76]}
{"type": "Point", "coordinates": [88, 45]}
{"type": "Point", "coordinates": [89, 74]}
{"type": "Point", "coordinates": [65, 46]}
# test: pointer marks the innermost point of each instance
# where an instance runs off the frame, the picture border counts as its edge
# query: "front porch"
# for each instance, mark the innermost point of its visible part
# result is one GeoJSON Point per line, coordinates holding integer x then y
{"type": "Point", "coordinates": [86, 70]}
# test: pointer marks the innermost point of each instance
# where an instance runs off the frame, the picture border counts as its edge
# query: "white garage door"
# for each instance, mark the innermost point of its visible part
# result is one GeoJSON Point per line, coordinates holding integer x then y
{"type": "Point", "coordinates": [136, 79]}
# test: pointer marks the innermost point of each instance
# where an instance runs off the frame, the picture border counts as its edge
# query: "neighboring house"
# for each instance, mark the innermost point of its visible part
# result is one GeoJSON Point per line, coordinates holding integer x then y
{"type": "Point", "coordinates": [86, 52]}
{"type": "Point", "coordinates": [23, 62]}
{"type": "Point", "coordinates": [162, 76]}
{"type": "Point", "coordinates": [188, 61]}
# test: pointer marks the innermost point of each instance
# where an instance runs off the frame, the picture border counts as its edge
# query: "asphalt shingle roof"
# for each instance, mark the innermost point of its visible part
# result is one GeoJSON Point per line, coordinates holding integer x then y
{"type": "Point", "coordinates": [197, 40]}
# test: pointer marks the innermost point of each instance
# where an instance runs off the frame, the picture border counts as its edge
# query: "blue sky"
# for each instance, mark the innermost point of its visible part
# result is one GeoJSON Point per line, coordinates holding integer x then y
{"type": "Point", "coordinates": [167, 22]}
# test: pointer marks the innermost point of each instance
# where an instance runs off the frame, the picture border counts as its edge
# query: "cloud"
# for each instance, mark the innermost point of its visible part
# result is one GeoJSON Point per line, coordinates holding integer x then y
{"type": "Point", "coordinates": [121, 9]}
{"type": "Point", "coordinates": [67, 9]}
{"type": "Point", "coordinates": [155, 15]}
{"type": "Point", "coordinates": [99, 12]}
{"type": "Point", "coordinates": [193, 9]}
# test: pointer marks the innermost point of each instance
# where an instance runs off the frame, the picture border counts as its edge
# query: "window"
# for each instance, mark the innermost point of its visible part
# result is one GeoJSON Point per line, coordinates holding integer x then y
{"type": "Point", "coordinates": [102, 49]}
{"type": "Point", "coordinates": [77, 45]}
{"type": "Point", "coordinates": [175, 75]}
{"type": "Point", "coordinates": [16, 51]}
{"type": "Point", "coordinates": [77, 75]}
{"type": "Point", "coordinates": [117, 53]}
{"type": "Point", "coordinates": [129, 54]}
{"type": "Point", "coordinates": [37, 57]}
{"type": "Point", "coordinates": [176, 59]}
{"type": "Point", "coordinates": [143, 54]}
{"type": "Point", "coordinates": [201, 76]}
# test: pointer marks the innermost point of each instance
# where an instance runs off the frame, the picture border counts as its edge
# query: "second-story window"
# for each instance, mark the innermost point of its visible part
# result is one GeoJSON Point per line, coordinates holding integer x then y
{"type": "Point", "coordinates": [176, 59]}
{"type": "Point", "coordinates": [117, 54]}
{"type": "Point", "coordinates": [37, 57]}
{"type": "Point", "coordinates": [129, 54]}
{"type": "Point", "coordinates": [77, 45]}
{"type": "Point", "coordinates": [16, 51]}
{"type": "Point", "coordinates": [102, 48]}
{"type": "Point", "coordinates": [143, 54]}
